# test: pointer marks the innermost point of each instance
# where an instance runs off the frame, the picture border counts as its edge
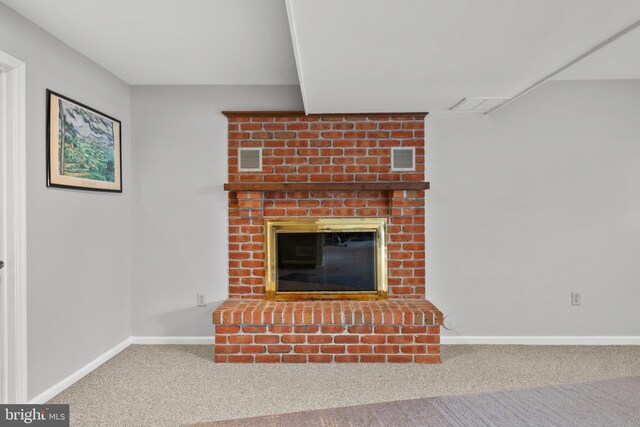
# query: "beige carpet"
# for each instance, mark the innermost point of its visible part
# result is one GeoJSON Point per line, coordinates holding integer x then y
{"type": "Point", "coordinates": [613, 402]}
{"type": "Point", "coordinates": [175, 385]}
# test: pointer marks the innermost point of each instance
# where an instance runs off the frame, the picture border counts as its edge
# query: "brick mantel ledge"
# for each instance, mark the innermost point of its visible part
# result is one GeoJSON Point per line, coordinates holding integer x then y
{"type": "Point", "coordinates": [388, 312]}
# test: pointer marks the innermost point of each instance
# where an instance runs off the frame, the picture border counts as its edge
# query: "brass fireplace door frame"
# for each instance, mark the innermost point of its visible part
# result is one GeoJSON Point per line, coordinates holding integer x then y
{"type": "Point", "coordinates": [316, 225]}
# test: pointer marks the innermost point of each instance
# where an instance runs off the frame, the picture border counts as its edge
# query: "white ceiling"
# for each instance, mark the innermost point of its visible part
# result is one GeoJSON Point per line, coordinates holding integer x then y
{"type": "Point", "coordinates": [379, 55]}
{"type": "Point", "coordinates": [619, 60]}
{"type": "Point", "coordinates": [174, 41]}
{"type": "Point", "coordinates": [352, 55]}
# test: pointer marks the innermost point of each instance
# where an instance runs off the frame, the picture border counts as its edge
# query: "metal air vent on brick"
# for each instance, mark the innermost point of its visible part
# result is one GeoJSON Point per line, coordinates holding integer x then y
{"type": "Point", "coordinates": [250, 159]}
{"type": "Point", "coordinates": [403, 159]}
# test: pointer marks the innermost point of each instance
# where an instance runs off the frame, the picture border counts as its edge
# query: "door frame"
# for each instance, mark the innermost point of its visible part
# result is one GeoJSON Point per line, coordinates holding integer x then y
{"type": "Point", "coordinates": [13, 231]}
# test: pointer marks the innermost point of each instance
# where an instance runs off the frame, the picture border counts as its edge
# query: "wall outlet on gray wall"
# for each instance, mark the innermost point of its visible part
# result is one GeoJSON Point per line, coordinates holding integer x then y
{"type": "Point", "coordinates": [201, 300]}
{"type": "Point", "coordinates": [575, 298]}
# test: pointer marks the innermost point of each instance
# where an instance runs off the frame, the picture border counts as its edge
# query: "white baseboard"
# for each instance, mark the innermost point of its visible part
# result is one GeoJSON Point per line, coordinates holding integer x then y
{"type": "Point", "coordinates": [510, 340]}
{"type": "Point", "coordinates": [543, 340]}
{"type": "Point", "coordinates": [79, 374]}
{"type": "Point", "coordinates": [173, 340]}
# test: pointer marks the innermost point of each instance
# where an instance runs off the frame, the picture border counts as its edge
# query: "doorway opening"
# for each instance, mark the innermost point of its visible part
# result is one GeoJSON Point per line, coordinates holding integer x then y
{"type": "Point", "coordinates": [13, 280]}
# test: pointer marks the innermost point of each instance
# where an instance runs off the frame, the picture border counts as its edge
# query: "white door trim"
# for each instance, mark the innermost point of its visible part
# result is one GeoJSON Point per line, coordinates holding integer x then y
{"type": "Point", "coordinates": [13, 333]}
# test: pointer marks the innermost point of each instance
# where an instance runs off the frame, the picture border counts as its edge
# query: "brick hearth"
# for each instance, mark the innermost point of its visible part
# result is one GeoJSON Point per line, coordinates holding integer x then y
{"type": "Point", "coordinates": [249, 330]}
{"type": "Point", "coordinates": [309, 151]}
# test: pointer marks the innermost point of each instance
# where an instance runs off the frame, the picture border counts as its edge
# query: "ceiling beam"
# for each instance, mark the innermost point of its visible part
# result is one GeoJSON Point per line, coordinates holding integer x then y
{"type": "Point", "coordinates": [296, 52]}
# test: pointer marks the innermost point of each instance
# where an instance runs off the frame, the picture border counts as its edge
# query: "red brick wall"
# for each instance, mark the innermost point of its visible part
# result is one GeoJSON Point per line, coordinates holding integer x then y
{"type": "Point", "coordinates": [327, 343]}
{"type": "Point", "coordinates": [326, 148]}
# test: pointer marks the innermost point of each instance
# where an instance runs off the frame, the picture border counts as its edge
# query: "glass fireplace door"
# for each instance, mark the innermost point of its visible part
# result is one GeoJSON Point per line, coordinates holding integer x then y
{"type": "Point", "coordinates": [326, 261]}
{"type": "Point", "coordinates": [326, 258]}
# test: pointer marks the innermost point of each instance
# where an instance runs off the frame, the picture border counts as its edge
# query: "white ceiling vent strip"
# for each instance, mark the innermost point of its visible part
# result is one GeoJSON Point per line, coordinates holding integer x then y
{"type": "Point", "coordinates": [250, 160]}
{"type": "Point", "coordinates": [477, 105]}
{"type": "Point", "coordinates": [403, 159]}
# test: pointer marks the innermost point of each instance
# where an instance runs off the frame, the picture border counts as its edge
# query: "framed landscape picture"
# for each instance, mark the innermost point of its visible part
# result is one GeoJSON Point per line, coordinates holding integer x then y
{"type": "Point", "coordinates": [83, 146]}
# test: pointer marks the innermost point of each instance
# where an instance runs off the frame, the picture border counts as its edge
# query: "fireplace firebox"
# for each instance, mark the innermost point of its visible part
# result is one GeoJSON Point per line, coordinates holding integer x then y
{"type": "Point", "coordinates": [326, 258]}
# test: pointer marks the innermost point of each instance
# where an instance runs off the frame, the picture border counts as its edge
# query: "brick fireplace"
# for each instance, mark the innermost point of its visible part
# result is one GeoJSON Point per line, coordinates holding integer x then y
{"type": "Point", "coordinates": [326, 167]}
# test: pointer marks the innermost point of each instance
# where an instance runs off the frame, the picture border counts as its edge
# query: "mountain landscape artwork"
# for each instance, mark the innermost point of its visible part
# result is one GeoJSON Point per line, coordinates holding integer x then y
{"type": "Point", "coordinates": [84, 146]}
{"type": "Point", "coordinates": [87, 143]}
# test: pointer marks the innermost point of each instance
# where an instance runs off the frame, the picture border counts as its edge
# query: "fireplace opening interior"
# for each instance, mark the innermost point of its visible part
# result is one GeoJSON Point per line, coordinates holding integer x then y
{"type": "Point", "coordinates": [326, 261]}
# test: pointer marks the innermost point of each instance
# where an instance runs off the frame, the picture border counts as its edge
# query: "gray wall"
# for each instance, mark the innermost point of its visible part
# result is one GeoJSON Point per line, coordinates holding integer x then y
{"type": "Point", "coordinates": [79, 242]}
{"type": "Point", "coordinates": [528, 204]}
{"type": "Point", "coordinates": [180, 208]}
{"type": "Point", "coordinates": [540, 199]}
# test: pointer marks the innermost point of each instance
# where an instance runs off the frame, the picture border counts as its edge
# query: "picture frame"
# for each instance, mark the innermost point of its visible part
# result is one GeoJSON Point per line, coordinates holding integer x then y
{"type": "Point", "coordinates": [84, 146]}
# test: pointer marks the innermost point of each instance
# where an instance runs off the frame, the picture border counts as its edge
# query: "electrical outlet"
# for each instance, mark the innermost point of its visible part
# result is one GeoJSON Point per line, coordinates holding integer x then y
{"type": "Point", "coordinates": [201, 300]}
{"type": "Point", "coordinates": [575, 298]}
